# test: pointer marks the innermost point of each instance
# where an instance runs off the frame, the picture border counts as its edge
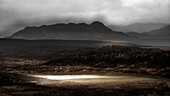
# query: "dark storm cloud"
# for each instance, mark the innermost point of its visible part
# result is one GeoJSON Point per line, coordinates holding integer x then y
{"type": "Point", "coordinates": [15, 14]}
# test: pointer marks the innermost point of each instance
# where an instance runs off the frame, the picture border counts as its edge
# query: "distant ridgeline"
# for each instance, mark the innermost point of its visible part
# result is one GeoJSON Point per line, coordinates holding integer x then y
{"type": "Point", "coordinates": [71, 31]}
{"type": "Point", "coordinates": [94, 31]}
{"type": "Point", "coordinates": [162, 33]}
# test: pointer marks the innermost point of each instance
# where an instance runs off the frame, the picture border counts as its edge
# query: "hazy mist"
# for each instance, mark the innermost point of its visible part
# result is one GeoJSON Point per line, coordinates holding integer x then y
{"type": "Point", "coordinates": [16, 14]}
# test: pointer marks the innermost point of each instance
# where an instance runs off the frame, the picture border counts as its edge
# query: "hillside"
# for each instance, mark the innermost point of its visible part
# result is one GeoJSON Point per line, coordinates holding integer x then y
{"type": "Point", "coordinates": [128, 59]}
{"type": "Point", "coordinates": [112, 56]}
{"type": "Point", "coordinates": [94, 31]}
{"type": "Point", "coordinates": [137, 27]}
{"type": "Point", "coordinates": [162, 33]}
{"type": "Point", "coordinates": [71, 31]}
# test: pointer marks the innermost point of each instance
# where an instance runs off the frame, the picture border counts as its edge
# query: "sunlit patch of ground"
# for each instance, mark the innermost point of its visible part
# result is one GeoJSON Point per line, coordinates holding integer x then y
{"type": "Point", "coordinates": [101, 81]}
{"type": "Point", "coordinates": [67, 77]}
{"type": "Point", "coordinates": [114, 84]}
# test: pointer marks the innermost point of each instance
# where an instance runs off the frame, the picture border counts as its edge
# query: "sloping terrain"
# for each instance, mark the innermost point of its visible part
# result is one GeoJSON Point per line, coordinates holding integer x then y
{"type": "Point", "coordinates": [137, 27]}
{"type": "Point", "coordinates": [162, 33]}
{"type": "Point", "coordinates": [126, 59]}
{"type": "Point", "coordinates": [113, 56]}
{"type": "Point", "coordinates": [71, 31]}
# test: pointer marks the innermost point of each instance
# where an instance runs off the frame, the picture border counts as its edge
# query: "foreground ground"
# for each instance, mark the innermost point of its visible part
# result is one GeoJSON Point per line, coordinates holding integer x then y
{"type": "Point", "coordinates": [114, 84]}
{"type": "Point", "coordinates": [129, 70]}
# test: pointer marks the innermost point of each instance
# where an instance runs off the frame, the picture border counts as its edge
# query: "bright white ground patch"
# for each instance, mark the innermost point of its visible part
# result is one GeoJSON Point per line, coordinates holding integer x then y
{"type": "Point", "coordinates": [67, 77]}
{"type": "Point", "coordinates": [90, 80]}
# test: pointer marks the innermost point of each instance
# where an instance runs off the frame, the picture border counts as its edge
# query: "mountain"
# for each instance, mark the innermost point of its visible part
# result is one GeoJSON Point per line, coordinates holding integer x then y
{"type": "Point", "coordinates": [162, 33]}
{"type": "Point", "coordinates": [71, 31]}
{"type": "Point", "coordinates": [94, 31]}
{"type": "Point", "coordinates": [137, 27]}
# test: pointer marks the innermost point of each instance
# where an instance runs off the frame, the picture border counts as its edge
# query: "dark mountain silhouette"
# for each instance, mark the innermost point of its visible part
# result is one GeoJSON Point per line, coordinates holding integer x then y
{"type": "Point", "coordinates": [94, 31]}
{"type": "Point", "coordinates": [162, 33]}
{"type": "Point", "coordinates": [137, 27]}
{"type": "Point", "coordinates": [71, 31]}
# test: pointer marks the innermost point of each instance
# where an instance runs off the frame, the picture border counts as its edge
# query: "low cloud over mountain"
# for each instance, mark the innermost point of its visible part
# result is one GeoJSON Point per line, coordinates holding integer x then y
{"type": "Point", "coordinates": [15, 14]}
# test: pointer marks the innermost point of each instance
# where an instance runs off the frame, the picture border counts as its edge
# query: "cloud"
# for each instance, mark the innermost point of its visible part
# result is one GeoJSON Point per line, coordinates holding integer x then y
{"type": "Point", "coordinates": [149, 10]}
{"type": "Point", "coordinates": [38, 12]}
{"type": "Point", "coordinates": [132, 3]}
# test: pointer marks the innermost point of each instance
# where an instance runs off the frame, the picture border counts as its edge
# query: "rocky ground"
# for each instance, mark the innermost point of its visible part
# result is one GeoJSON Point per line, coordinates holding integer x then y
{"type": "Point", "coordinates": [153, 63]}
{"type": "Point", "coordinates": [125, 59]}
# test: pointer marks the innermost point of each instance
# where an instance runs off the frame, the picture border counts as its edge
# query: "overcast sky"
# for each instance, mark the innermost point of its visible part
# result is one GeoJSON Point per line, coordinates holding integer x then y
{"type": "Point", "coordinates": [16, 14]}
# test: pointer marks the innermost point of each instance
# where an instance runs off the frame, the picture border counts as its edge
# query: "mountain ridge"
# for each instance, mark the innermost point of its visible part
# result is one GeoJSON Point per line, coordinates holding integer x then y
{"type": "Point", "coordinates": [70, 31]}
{"type": "Point", "coordinates": [137, 27]}
{"type": "Point", "coordinates": [162, 33]}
